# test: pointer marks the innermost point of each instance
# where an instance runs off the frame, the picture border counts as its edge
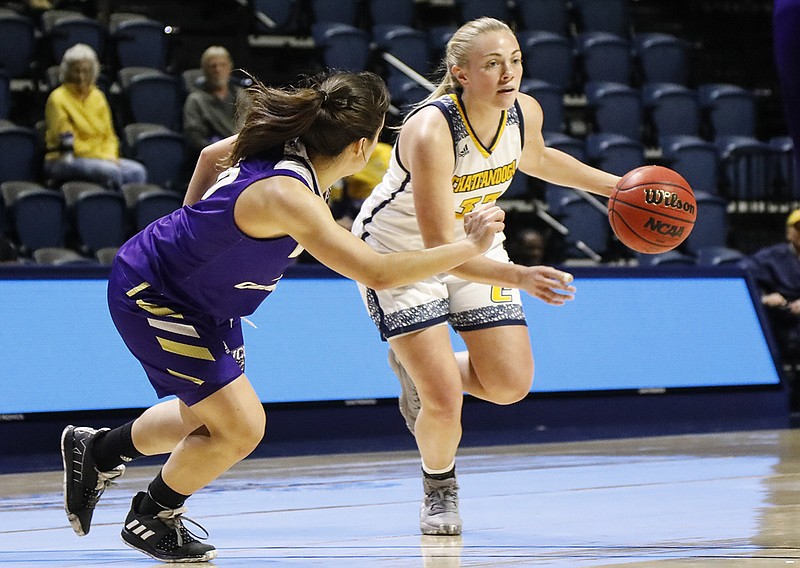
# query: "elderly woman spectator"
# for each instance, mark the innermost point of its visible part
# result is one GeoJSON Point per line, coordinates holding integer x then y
{"type": "Point", "coordinates": [209, 113]}
{"type": "Point", "coordinates": [80, 137]}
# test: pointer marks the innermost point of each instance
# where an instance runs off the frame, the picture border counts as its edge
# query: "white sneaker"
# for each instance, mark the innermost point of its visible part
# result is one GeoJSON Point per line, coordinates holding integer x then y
{"type": "Point", "coordinates": [439, 512]}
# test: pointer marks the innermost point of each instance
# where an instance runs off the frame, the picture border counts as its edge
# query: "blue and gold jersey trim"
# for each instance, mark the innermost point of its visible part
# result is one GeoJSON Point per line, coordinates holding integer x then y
{"type": "Point", "coordinates": [485, 151]}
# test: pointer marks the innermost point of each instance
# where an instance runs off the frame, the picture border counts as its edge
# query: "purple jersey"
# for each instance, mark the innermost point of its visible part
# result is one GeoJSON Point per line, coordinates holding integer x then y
{"type": "Point", "coordinates": [199, 258]}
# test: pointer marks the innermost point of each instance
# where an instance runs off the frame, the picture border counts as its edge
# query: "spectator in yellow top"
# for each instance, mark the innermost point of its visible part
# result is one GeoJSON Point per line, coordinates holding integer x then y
{"type": "Point", "coordinates": [80, 137]}
{"type": "Point", "coordinates": [348, 195]}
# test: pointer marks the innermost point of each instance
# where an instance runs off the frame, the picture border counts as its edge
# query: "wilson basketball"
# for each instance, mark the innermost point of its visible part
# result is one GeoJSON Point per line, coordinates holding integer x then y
{"type": "Point", "coordinates": [652, 209]}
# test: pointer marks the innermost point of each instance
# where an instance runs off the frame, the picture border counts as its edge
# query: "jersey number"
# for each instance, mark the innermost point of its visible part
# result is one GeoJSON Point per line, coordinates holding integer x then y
{"type": "Point", "coordinates": [469, 204]}
{"type": "Point", "coordinates": [501, 295]}
{"type": "Point", "coordinates": [226, 177]}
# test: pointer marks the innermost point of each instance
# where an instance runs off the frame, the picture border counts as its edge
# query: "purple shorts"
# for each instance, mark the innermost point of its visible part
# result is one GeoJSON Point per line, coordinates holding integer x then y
{"type": "Point", "coordinates": [184, 353]}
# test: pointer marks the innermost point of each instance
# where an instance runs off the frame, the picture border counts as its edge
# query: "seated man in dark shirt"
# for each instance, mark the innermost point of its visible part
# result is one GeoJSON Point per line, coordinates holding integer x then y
{"type": "Point", "coordinates": [776, 270]}
{"type": "Point", "coordinates": [209, 113]}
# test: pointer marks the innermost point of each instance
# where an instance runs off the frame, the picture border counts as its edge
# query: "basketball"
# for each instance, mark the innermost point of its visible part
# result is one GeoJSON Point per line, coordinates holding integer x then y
{"type": "Point", "coordinates": [652, 209]}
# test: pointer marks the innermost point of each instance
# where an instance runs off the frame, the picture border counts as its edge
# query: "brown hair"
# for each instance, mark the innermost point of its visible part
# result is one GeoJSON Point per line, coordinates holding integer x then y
{"type": "Point", "coordinates": [328, 113]}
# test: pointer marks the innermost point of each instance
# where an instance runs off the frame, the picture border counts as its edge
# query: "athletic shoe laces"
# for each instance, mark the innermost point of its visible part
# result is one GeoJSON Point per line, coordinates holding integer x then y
{"type": "Point", "coordinates": [104, 479]}
{"type": "Point", "coordinates": [443, 500]}
{"type": "Point", "coordinates": [174, 518]}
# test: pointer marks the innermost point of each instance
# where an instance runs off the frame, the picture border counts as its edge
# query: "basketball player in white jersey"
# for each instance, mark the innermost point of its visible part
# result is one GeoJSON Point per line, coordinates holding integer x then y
{"type": "Point", "coordinates": [457, 150]}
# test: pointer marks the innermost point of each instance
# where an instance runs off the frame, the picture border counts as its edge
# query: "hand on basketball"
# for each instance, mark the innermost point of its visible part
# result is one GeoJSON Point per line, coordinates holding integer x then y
{"type": "Point", "coordinates": [482, 223]}
{"type": "Point", "coordinates": [549, 284]}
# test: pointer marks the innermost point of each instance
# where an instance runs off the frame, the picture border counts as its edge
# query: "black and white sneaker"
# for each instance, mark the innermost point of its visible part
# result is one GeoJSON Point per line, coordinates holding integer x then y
{"type": "Point", "coordinates": [163, 536]}
{"type": "Point", "coordinates": [83, 484]}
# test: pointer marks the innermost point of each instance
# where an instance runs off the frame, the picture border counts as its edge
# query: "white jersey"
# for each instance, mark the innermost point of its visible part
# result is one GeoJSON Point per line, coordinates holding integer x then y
{"type": "Point", "coordinates": [482, 174]}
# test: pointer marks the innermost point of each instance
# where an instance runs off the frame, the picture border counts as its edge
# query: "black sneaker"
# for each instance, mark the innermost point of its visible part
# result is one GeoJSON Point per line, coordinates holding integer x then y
{"type": "Point", "coordinates": [163, 536]}
{"type": "Point", "coordinates": [83, 484]}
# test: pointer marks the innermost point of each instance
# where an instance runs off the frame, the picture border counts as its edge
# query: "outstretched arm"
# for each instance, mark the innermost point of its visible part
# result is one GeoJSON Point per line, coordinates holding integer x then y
{"type": "Point", "coordinates": [207, 169]}
{"type": "Point", "coordinates": [555, 166]}
{"type": "Point", "coordinates": [283, 206]}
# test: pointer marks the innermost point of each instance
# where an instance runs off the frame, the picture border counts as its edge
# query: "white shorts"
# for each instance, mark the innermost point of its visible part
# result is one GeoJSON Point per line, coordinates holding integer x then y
{"type": "Point", "coordinates": [466, 305]}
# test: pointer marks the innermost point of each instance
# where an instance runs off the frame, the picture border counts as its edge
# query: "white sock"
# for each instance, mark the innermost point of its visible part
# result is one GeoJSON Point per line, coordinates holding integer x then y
{"type": "Point", "coordinates": [430, 471]}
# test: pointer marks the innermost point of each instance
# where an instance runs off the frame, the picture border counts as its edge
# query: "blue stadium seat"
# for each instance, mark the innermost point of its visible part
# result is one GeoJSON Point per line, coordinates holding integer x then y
{"type": "Point", "coordinates": [152, 96]}
{"type": "Point", "coordinates": [340, 11]}
{"type": "Point", "coordinates": [718, 256]}
{"type": "Point", "coordinates": [408, 45]}
{"type": "Point", "coordinates": [785, 167]}
{"type": "Point", "coordinates": [99, 219]}
{"type": "Point", "coordinates": [161, 150]}
{"type": "Point", "coordinates": [711, 228]}
{"type": "Point", "coordinates": [17, 43]}
{"type": "Point", "coordinates": [472, 9]}
{"type": "Point", "coordinates": [154, 204]}
{"type": "Point", "coordinates": [5, 95]}
{"type": "Point", "coordinates": [343, 47]}
{"type": "Point", "coordinates": [746, 168]}
{"type": "Point", "coordinates": [65, 28]}
{"type": "Point", "coordinates": [585, 223]}
{"type": "Point", "coordinates": [544, 15]}
{"type": "Point", "coordinates": [604, 57]}
{"type": "Point", "coordinates": [392, 12]}
{"type": "Point", "coordinates": [555, 194]}
{"type": "Point", "coordinates": [519, 187]}
{"type": "Point", "coordinates": [663, 58]}
{"type": "Point", "coordinates": [695, 159]}
{"type": "Point", "coordinates": [614, 153]}
{"type": "Point", "coordinates": [58, 256]}
{"type": "Point", "coordinates": [140, 43]}
{"type": "Point", "coordinates": [8, 194]}
{"type": "Point", "coordinates": [615, 108]}
{"type": "Point", "coordinates": [673, 109]}
{"type": "Point", "coordinates": [408, 94]}
{"type": "Point", "coordinates": [21, 156]}
{"type": "Point", "coordinates": [612, 16]}
{"type": "Point", "coordinates": [39, 219]}
{"type": "Point", "coordinates": [438, 36]}
{"type": "Point", "coordinates": [277, 17]}
{"type": "Point", "coordinates": [731, 110]}
{"type": "Point", "coordinates": [551, 99]}
{"type": "Point", "coordinates": [548, 57]}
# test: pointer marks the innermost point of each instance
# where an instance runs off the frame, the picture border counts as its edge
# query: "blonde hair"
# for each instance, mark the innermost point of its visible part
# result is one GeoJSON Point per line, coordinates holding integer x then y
{"type": "Point", "coordinates": [458, 51]}
{"type": "Point", "coordinates": [75, 54]}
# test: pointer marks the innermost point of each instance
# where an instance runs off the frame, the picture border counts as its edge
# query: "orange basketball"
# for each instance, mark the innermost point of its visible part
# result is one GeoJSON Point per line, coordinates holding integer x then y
{"type": "Point", "coordinates": [652, 209]}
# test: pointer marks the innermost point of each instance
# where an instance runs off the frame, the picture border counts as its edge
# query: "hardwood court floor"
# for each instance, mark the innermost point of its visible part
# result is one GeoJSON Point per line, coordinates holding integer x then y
{"type": "Point", "coordinates": [722, 500]}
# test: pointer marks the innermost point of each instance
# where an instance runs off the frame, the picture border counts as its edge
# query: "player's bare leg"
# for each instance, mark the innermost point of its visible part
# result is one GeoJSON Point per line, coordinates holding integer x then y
{"type": "Point", "coordinates": [428, 357]}
{"type": "Point", "coordinates": [233, 424]}
{"type": "Point", "coordinates": [498, 364]}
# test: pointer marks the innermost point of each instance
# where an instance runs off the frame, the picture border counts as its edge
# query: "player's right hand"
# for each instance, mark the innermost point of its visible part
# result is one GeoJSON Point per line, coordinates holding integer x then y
{"type": "Point", "coordinates": [551, 285]}
{"type": "Point", "coordinates": [482, 223]}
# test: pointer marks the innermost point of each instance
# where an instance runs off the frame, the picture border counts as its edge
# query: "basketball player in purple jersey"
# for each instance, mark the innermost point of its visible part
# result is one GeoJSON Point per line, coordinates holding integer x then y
{"type": "Point", "coordinates": [178, 289]}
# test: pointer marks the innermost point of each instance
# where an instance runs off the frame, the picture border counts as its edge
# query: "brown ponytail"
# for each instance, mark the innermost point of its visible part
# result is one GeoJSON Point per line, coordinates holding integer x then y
{"type": "Point", "coordinates": [327, 113]}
